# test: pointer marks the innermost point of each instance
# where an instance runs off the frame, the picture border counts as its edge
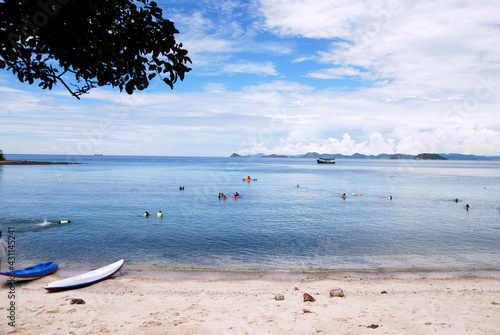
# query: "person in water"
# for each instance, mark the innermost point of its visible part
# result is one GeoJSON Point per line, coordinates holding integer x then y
{"type": "Point", "coordinates": [343, 196]}
{"type": "Point", "coordinates": [160, 215]}
{"type": "Point", "coordinates": [467, 207]}
{"type": "Point", "coordinates": [147, 214]}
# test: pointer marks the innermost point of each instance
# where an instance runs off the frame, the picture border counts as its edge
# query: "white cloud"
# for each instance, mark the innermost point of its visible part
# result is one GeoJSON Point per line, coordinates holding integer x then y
{"type": "Point", "coordinates": [340, 72]}
{"type": "Point", "coordinates": [427, 48]}
{"type": "Point", "coordinates": [278, 117]}
{"type": "Point", "coordinates": [315, 19]}
{"type": "Point", "coordinates": [261, 69]}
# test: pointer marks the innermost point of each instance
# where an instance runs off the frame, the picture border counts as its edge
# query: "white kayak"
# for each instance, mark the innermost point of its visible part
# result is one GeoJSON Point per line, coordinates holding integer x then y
{"type": "Point", "coordinates": [85, 279]}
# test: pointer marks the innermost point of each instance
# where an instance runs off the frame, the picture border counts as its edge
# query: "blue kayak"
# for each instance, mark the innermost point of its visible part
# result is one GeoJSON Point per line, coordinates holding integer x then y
{"type": "Point", "coordinates": [30, 273]}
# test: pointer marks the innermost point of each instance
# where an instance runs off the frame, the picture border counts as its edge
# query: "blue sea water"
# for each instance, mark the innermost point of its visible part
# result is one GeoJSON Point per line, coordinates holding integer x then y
{"type": "Point", "coordinates": [272, 226]}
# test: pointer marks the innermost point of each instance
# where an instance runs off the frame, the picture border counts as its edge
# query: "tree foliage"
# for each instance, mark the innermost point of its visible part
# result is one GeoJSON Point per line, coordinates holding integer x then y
{"type": "Point", "coordinates": [88, 43]}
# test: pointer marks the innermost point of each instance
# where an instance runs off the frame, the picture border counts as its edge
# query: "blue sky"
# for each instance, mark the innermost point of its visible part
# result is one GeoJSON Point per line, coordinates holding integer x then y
{"type": "Point", "coordinates": [290, 77]}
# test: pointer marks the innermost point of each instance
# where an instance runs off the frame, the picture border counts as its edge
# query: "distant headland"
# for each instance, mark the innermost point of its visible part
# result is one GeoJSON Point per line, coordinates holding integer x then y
{"type": "Point", "coordinates": [32, 163]}
{"type": "Point", "coordinates": [4, 161]}
{"type": "Point", "coordinates": [422, 156]}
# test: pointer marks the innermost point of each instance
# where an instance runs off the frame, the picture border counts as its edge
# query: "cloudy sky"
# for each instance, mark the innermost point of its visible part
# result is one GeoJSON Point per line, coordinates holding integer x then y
{"type": "Point", "coordinates": [290, 77]}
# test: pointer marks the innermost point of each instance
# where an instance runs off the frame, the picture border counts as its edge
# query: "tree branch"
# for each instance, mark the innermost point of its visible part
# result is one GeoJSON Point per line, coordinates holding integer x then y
{"type": "Point", "coordinates": [67, 87]}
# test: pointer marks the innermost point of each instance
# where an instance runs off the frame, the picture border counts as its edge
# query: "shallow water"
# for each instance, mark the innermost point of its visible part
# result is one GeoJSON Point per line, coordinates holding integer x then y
{"type": "Point", "coordinates": [273, 225]}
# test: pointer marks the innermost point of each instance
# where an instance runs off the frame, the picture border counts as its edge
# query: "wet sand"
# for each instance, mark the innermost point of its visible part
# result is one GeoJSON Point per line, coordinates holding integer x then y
{"type": "Point", "coordinates": [137, 302]}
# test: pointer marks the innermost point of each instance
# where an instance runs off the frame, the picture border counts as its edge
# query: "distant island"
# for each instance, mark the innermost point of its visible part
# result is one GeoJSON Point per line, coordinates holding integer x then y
{"type": "Point", "coordinates": [430, 156]}
{"type": "Point", "coordinates": [422, 156]}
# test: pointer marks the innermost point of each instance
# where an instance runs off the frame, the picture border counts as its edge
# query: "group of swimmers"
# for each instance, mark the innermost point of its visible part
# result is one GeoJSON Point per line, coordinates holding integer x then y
{"type": "Point", "coordinates": [344, 196]}
{"type": "Point", "coordinates": [467, 207]}
{"type": "Point", "coordinates": [223, 196]}
{"type": "Point", "coordinates": [159, 214]}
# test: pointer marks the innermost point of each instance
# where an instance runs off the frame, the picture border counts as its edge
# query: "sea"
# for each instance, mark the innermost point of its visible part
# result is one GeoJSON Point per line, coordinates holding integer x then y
{"type": "Point", "coordinates": [397, 215]}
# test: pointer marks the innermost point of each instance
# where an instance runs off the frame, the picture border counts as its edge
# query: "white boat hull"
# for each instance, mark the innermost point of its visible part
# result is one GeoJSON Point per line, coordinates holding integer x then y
{"type": "Point", "coordinates": [85, 279]}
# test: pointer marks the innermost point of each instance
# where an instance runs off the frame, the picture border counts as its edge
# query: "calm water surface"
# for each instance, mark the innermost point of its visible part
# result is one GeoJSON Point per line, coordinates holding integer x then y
{"type": "Point", "coordinates": [273, 225]}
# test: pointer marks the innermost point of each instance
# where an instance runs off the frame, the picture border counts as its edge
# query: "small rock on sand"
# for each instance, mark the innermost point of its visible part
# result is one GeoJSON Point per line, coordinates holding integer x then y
{"type": "Point", "coordinates": [372, 326]}
{"type": "Point", "coordinates": [337, 292]}
{"type": "Point", "coordinates": [308, 297]}
{"type": "Point", "coordinates": [77, 302]}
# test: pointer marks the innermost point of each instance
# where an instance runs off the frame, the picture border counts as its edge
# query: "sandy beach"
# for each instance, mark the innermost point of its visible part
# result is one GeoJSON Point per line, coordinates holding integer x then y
{"type": "Point", "coordinates": [221, 303]}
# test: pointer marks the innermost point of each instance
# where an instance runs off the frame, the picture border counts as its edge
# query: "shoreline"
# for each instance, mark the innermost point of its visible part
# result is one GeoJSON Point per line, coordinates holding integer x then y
{"type": "Point", "coordinates": [273, 275]}
{"type": "Point", "coordinates": [131, 304]}
{"type": "Point", "coordinates": [71, 268]}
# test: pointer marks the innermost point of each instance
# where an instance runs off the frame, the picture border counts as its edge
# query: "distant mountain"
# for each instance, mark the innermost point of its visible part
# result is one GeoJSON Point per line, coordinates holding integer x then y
{"type": "Point", "coordinates": [401, 156]}
{"type": "Point", "coordinates": [259, 155]}
{"type": "Point", "coordinates": [309, 155]}
{"type": "Point", "coordinates": [275, 156]}
{"type": "Point", "coordinates": [470, 157]}
{"type": "Point", "coordinates": [430, 156]}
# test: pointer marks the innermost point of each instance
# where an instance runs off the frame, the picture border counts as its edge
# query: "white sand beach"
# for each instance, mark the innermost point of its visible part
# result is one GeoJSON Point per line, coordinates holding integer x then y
{"type": "Point", "coordinates": [218, 303]}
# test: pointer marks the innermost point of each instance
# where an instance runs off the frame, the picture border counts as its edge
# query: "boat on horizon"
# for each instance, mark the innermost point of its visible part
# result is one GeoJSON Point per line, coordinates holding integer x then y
{"type": "Point", "coordinates": [326, 160]}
